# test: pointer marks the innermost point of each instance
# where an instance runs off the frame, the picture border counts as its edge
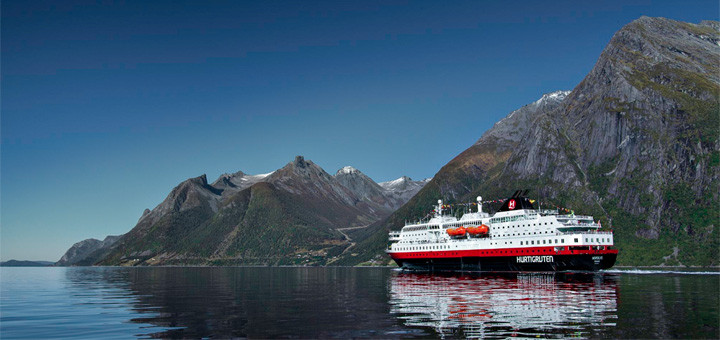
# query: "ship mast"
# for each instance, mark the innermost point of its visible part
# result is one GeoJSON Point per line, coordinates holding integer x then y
{"type": "Point", "coordinates": [439, 212]}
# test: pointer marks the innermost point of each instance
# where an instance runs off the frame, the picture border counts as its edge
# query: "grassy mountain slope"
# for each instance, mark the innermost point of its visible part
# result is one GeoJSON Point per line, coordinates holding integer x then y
{"type": "Point", "coordinates": [289, 216]}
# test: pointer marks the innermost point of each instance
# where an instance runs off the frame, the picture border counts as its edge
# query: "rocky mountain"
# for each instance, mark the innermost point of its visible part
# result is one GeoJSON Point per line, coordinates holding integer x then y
{"type": "Point", "coordinates": [366, 190]}
{"type": "Point", "coordinates": [83, 250]}
{"type": "Point", "coordinates": [402, 189]}
{"type": "Point", "coordinates": [635, 144]}
{"type": "Point", "coordinates": [289, 216]}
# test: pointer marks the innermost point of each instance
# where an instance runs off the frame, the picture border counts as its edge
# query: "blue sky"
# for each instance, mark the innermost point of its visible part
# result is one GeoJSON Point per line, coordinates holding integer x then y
{"type": "Point", "coordinates": [106, 106]}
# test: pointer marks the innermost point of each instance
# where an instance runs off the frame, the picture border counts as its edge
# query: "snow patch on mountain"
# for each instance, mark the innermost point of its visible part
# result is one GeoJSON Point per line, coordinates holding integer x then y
{"type": "Point", "coordinates": [555, 96]}
{"type": "Point", "coordinates": [347, 170]}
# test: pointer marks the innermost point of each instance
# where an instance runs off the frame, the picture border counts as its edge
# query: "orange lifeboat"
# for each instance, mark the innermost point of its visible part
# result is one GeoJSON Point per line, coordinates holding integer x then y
{"type": "Point", "coordinates": [483, 229]}
{"type": "Point", "coordinates": [457, 231]}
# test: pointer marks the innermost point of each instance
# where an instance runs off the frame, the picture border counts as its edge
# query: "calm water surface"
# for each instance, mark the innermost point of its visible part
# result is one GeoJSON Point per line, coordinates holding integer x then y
{"type": "Point", "coordinates": [261, 302]}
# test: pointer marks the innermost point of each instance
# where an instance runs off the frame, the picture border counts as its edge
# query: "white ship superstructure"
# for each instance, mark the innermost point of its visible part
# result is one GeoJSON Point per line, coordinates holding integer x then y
{"type": "Point", "coordinates": [518, 237]}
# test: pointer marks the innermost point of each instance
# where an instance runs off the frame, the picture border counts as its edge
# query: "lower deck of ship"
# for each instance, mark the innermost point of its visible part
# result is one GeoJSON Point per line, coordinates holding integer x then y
{"type": "Point", "coordinates": [555, 262]}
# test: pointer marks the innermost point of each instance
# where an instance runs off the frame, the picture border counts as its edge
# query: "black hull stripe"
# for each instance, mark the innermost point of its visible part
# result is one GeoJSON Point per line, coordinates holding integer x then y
{"type": "Point", "coordinates": [591, 262]}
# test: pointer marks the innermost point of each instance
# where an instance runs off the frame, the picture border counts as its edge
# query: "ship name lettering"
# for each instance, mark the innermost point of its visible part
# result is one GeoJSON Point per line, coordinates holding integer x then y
{"type": "Point", "coordinates": [533, 259]}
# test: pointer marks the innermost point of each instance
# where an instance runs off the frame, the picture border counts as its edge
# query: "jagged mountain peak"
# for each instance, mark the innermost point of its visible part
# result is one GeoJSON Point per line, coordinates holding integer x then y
{"type": "Point", "coordinates": [232, 183]}
{"type": "Point", "coordinates": [226, 179]}
{"type": "Point", "coordinates": [403, 188]}
{"type": "Point", "coordinates": [511, 129]}
{"type": "Point", "coordinates": [650, 42]}
{"type": "Point", "coordinates": [301, 168]}
{"type": "Point", "coordinates": [200, 180]}
{"type": "Point", "coordinates": [199, 183]}
{"type": "Point", "coordinates": [395, 182]}
{"type": "Point", "coordinates": [299, 162]}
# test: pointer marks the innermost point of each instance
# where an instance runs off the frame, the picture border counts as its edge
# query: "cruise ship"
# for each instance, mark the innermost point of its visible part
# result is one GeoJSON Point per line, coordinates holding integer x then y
{"type": "Point", "coordinates": [517, 237]}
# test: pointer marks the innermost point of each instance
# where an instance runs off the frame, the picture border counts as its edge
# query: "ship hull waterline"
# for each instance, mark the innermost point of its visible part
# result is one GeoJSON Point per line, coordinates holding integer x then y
{"type": "Point", "coordinates": [534, 263]}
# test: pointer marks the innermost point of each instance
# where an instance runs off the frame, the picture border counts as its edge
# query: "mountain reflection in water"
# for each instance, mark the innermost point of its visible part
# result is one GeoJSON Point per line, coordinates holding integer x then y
{"type": "Point", "coordinates": [337, 302]}
{"type": "Point", "coordinates": [506, 305]}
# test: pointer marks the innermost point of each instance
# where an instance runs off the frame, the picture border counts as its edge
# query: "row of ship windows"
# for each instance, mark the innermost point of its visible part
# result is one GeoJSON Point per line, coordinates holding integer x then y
{"type": "Point", "coordinates": [596, 240]}
{"type": "Point", "coordinates": [523, 225]}
{"type": "Point", "coordinates": [513, 234]}
{"type": "Point", "coordinates": [441, 247]}
{"type": "Point", "coordinates": [563, 241]}
{"type": "Point", "coordinates": [408, 229]}
{"type": "Point", "coordinates": [533, 233]}
{"type": "Point", "coordinates": [510, 218]}
{"type": "Point", "coordinates": [543, 242]}
{"type": "Point", "coordinates": [518, 251]}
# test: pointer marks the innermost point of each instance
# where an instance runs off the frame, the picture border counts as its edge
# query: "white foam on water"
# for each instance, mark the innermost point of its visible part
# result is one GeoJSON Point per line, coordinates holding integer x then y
{"type": "Point", "coordinates": [647, 271]}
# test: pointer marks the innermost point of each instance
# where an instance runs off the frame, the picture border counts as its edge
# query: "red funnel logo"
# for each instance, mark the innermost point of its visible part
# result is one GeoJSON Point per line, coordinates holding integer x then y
{"type": "Point", "coordinates": [511, 204]}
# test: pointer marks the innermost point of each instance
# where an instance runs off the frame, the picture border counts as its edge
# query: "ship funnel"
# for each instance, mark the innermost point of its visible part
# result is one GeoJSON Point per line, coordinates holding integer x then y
{"type": "Point", "coordinates": [479, 200]}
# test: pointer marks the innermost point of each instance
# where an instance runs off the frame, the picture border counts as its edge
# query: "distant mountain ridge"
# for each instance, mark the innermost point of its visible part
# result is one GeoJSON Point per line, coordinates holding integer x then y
{"type": "Point", "coordinates": [636, 144]}
{"type": "Point", "coordinates": [288, 216]}
{"type": "Point", "coordinates": [402, 189]}
{"type": "Point", "coordinates": [22, 263]}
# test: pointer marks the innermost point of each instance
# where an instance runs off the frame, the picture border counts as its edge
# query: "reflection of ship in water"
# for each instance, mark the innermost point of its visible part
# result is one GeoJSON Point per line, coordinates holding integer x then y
{"type": "Point", "coordinates": [513, 304]}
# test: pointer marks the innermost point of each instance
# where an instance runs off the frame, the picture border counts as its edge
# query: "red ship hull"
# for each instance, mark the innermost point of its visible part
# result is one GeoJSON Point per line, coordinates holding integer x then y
{"type": "Point", "coordinates": [511, 259]}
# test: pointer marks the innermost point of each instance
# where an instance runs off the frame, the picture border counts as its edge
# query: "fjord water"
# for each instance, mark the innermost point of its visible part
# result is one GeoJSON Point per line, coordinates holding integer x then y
{"type": "Point", "coordinates": [313, 302]}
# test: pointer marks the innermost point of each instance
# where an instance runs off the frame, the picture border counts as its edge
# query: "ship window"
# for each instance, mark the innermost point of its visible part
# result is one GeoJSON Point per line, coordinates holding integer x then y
{"type": "Point", "coordinates": [532, 242]}
{"type": "Point", "coordinates": [562, 240]}
{"type": "Point", "coordinates": [576, 240]}
{"type": "Point", "coordinates": [521, 242]}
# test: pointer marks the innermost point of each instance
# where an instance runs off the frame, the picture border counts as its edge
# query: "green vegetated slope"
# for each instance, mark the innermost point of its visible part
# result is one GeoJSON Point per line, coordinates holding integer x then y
{"type": "Point", "coordinates": [635, 144]}
{"type": "Point", "coordinates": [288, 218]}
{"type": "Point", "coordinates": [258, 225]}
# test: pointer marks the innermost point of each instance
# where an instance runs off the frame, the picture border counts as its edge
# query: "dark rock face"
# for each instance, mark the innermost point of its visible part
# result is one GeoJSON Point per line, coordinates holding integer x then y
{"type": "Point", "coordinates": [643, 121]}
{"type": "Point", "coordinates": [635, 144]}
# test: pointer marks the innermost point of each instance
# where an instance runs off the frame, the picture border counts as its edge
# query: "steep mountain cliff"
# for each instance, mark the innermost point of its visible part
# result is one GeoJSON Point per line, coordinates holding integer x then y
{"type": "Point", "coordinates": [289, 216]}
{"type": "Point", "coordinates": [635, 144]}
